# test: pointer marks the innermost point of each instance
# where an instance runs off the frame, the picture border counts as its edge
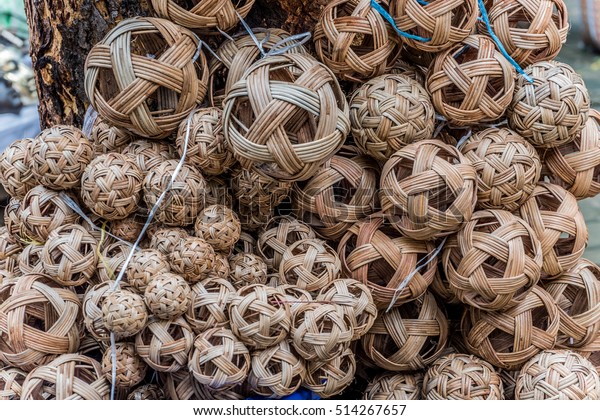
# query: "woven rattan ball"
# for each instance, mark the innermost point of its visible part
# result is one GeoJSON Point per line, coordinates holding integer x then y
{"type": "Point", "coordinates": [577, 293]}
{"type": "Point", "coordinates": [253, 190]}
{"type": "Point", "coordinates": [181, 385]}
{"type": "Point", "coordinates": [111, 186]}
{"type": "Point", "coordinates": [399, 386]}
{"type": "Point", "coordinates": [219, 359]}
{"type": "Point", "coordinates": [219, 226]}
{"type": "Point", "coordinates": [429, 188]}
{"type": "Point", "coordinates": [147, 392]}
{"type": "Point", "coordinates": [43, 210]}
{"type": "Point", "coordinates": [294, 295]}
{"type": "Point", "coordinates": [165, 345]}
{"type": "Point", "coordinates": [69, 377]}
{"type": "Point", "coordinates": [168, 296]}
{"type": "Point", "coordinates": [389, 112]}
{"type": "Point", "coordinates": [531, 31]}
{"type": "Point", "coordinates": [164, 240]}
{"type": "Point", "coordinates": [440, 24]}
{"type": "Point", "coordinates": [221, 267]}
{"type": "Point", "coordinates": [130, 370]}
{"type": "Point", "coordinates": [247, 243]}
{"type": "Point", "coordinates": [145, 265]}
{"type": "Point", "coordinates": [510, 338]}
{"type": "Point", "coordinates": [38, 320]}
{"type": "Point", "coordinates": [246, 268]}
{"type": "Point", "coordinates": [70, 255]}
{"type": "Point", "coordinates": [202, 15]}
{"type": "Point", "coordinates": [307, 93]}
{"type": "Point", "coordinates": [329, 378]}
{"type": "Point", "coordinates": [554, 215]}
{"type": "Point", "coordinates": [11, 383]}
{"type": "Point", "coordinates": [494, 246]}
{"type": "Point", "coordinates": [15, 168]}
{"type": "Point", "coordinates": [558, 375]}
{"type": "Point", "coordinates": [175, 76]}
{"type": "Point", "coordinates": [354, 40]}
{"type": "Point", "coordinates": [508, 168]}
{"type": "Point", "coordinates": [10, 250]}
{"type": "Point", "coordinates": [124, 312]}
{"type": "Point", "coordinates": [379, 257]}
{"type": "Point", "coordinates": [553, 109]}
{"type": "Point", "coordinates": [276, 371]}
{"type": "Point", "coordinates": [408, 337]}
{"type": "Point", "coordinates": [184, 200]}
{"type": "Point", "coordinates": [59, 155]}
{"type": "Point", "coordinates": [210, 304]}
{"type": "Point", "coordinates": [310, 264]}
{"type": "Point", "coordinates": [93, 317]}
{"type": "Point", "coordinates": [260, 316]}
{"type": "Point", "coordinates": [471, 82]}
{"type": "Point", "coordinates": [207, 149]}
{"type": "Point", "coordinates": [107, 138]}
{"type": "Point", "coordinates": [12, 218]}
{"type": "Point", "coordinates": [149, 154]}
{"type": "Point", "coordinates": [576, 165]}
{"type": "Point", "coordinates": [192, 258]}
{"type": "Point", "coordinates": [355, 299]}
{"type": "Point", "coordinates": [462, 377]}
{"type": "Point", "coordinates": [128, 229]}
{"type": "Point", "coordinates": [111, 260]}
{"type": "Point", "coordinates": [30, 260]}
{"type": "Point", "coordinates": [278, 235]}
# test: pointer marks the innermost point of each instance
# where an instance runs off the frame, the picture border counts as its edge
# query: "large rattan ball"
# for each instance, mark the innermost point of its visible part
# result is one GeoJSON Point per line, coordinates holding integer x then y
{"type": "Point", "coordinates": [11, 383]}
{"type": "Point", "coordinates": [38, 321]}
{"type": "Point", "coordinates": [107, 138]}
{"type": "Point", "coordinates": [10, 250]}
{"type": "Point", "coordinates": [16, 175]}
{"type": "Point", "coordinates": [43, 210]}
{"type": "Point", "coordinates": [558, 375]}
{"type": "Point", "coordinates": [330, 378]}
{"type": "Point", "coordinates": [510, 338]}
{"type": "Point", "coordinates": [260, 316]}
{"type": "Point", "coordinates": [165, 239]}
{"type": "Point", "coordinates": [147, 392]}
{"type": "Point", "coordinates": [130, 367]}
{"type": "Point", "coordinates": [440, 24]}
{"type": "Point", "coordinates": [395, 386]}
{"type": "Point", "coordinates": [174, 80]}
{"type": "Point", "coordinates": [304, 91]}
{"type": "Point", "coordinates": [553, 109]}
{"type": "Point", "coordinates": [193, 258]}
{"type": "Point", "coordinates": [554, 215]}
{"type": "Point", "coordinates": [183, 201]}
{"type": "Point", "coordinates": [203, 15]}
{"type": "Point", "coordinates": [59, 155]}
{"type": "Point", "coordinates": [165, 345]}
{"type": "Point", "coordinates": [246, 268]}
{"type": "Point", "coordinates": [219, 226]}
{"type": "Point", "coordinates": [462, 377]}
{"type": "Point", "coordinates": [219, 360]}
{"type": "Point", "coordinates": [278, 235]}
{"type": "Point", "coordinates": [30, 259]}
{"type": "Point", "coordinates": [69, 377]}
{"type": "Point", "coordinates": [408, 337]}
{"type": "Point", "coordinates": [111, 260]}
{"type": "Point", "coordinates": [210, 304]}
{"type": "Point", "coordinates": [124, 312]}
{"type": "Point", "coordinates": [111, 186]}
{"type": "Point", "coordinates": [429, 189]}
{"type": "Point", "coordinates": [494, 246]}
{"type": "Point", "coordinates": [253, 190]}
{"type": "Point", "coordinates": [168, 296]}
{"type": "Point", "coordinates": [576, 165]}
{"type": "Point", "coordinates": [148, 154]}
{"type": "Point", "coordinates": [471, 82]}
{"type": "Point", "coordinates": [12, 218]}
{"type": "Point", "coordinates": [389, 112]}
{"type": "Point", "coordinates": [145, 265]}
{"type": "Point", "coordinates": [508, 168]}
{"type": "Point", "coordinates": [354, 40]}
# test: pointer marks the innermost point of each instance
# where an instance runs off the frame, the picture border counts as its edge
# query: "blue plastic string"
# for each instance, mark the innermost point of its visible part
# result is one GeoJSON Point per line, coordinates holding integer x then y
{"type": "Point", "coordinates": [387, 17]}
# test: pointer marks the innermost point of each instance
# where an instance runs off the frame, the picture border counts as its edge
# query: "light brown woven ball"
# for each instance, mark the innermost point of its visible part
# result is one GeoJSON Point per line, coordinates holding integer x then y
{"type": "Point", "coordinates": [219, 360]}
{"type": "Point", "coordinates": [165, 345]}
{"type": "Point", "coordinates": [147, 392]}
{"type": "Point", "coordinates": [111, 260]}
{"type": "Point", "coordinates": [558, 375]}
{"type": "Point", "coordinates": [10, 250]}
{"type": "Point", "coordinates": [168, 296]}
{"type": "Point", "coordinates": [59, 155]}
{"type": "Point", "coordinates": [149, 154]}
{"type": "Point", "coordinates": [202, 15]}
{"type": "Point", "coordinates": [192, 258]}
{"type": "Point", "coordinates": [398, 386]}
{"type": "Point", "coordinates": [129, 228]}
{"type": "Point", "coordinates": [111, 186]}
{"type": "Point", "coordinates": [181, 385]}
{"type": "Point", "coordinates": [294, 295]}
{"type": "Point", "coordinates": [330, 378]}
{"type": "Point", "coordinates": [11, 383]}
{"type": "Point", "coordinates": [165, 239]}
{"type": "Point", "coordinates": [174, 80]}
{"type": "Point", "coordinates": [429, 189]}
{"type": "Point", "coordinates": [210, 304]}
{"type": "Point", "coordinates": [184, 200]}
{"type": "Point", "coordinates": [144, 266]}
{"type": "Point", "coordinates": [130, 370]}
{"type": "Point", "coordinates": [389, 112]}
{"type": "Point", "coordinates": [30, 259]}
{"type": "Point", "coordinates": [553, 109]}
{"type": "Point", "coordinates": [12, 218]}
{"type": "Point", "coordinates": [15, 168]}
{"type": "Point", "coordinates": [107, 138]}
{"type": "Point", "coordinates": [253, 190]}
{"type": "Point", "coordinates": [279, 233]}
{"type": "Point", "coordinates": [219, 226]}
{"type": "Point", "coordinates": [221, 267]}
{"type": "Point", "coordinates": [124, 312]}
{"type": "Point", "coordinates": [246, 268]}
{"type": "Point", "coordinates": [93, 318]}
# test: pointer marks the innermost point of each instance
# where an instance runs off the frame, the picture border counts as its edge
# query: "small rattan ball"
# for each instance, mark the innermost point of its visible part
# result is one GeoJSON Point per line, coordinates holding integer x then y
{"type": "Point", "coordinates": [111, 260]}
{"type": "Point", "coordinates": [93, 318]}
{"type": "Point", "coordinates": [144, 266]}
{"type": "Point", "coordinates": [10, 250]}
{"type": "Point", "coordinates": [253, 190]}
{"type": "Point", "coordinates": [148, 154]}
{"type": "Point", "coordinates": [11, 383]}
{"type": "Point", "coordinates": [429, 189]}
{"type": "Point", "coordinates": [553, 109]}
{"type": "Point", "coordinates": [128, 229]}
{"type": "Point", "coordinates": [183, 201]}
{"type": "Point", "coordinates": [15, 168]}
{"type": "Point", "coordinates": [173, 82]}
{"type": "Point", "coordinates": [165, 345]}
{"type": "Point", "coordinates": [111, 186]}
{"type": "Point", "coordinates": [407, 337]}
{"type": "Point", "coordinates": [221, 267]}
{"type": "Point", "coordinates": [219, 226]}
{"type": "Point", "coordinates": [193, 258]}
{"type": "Point", "coordinates": [219, 360]}
{"type": "Point", "coordinates": [107, 138]}
{"type": "Point", "coordinates": [130, 370]}
{"type": "Point", "coordinates": [125, 313]}
{"type": "Point", "coordinates": [246, 268]}
{"type": "Point", "coordinates": [168, 296]}
{"type": "Point", "coordinates": [395, 386]}
{"type": "Point", "coordinates": [554, 215]}
{"type": "Point", "coordinates": [202, 15]}
{"type": "Point", "coordinates": [147, 392]}
{"type": "Point", "coordinates": [164, 240]}
{"type": "Point", "coordinates": [260, 316]}
{"type": "Point", "coordinates": [59, 155]}
{"type": "Point", "coordinates": [278, 235]}
{"type": "Point", "coordinates": [558, 375]}
{"type": "Point", "coordinates": [330, 378]}
{"type": "Point", "coordinates": [210, 304]}
{"type": "Point", "coordinates": [12, 218]}
{"type": "Point", "coordinates": [388, 113]}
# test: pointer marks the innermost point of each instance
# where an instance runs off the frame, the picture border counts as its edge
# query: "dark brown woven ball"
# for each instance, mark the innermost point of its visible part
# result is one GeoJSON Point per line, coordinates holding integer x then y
{"type": "Point", "coordinates": [147, 392]}
{"type": "Point", "coordinates": [124, 313]}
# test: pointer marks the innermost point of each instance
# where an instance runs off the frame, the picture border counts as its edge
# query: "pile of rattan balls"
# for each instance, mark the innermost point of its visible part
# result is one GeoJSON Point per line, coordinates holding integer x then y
{"type": "Point", "coordinates": [389, 218]}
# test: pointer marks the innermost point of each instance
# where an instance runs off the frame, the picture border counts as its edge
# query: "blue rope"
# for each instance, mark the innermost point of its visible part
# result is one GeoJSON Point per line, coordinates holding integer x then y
{"type": "Point", "coordinates": [387, 17]}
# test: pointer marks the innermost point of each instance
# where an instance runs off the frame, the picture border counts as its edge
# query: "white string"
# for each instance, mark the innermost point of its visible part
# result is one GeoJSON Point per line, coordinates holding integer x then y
{"type": "Point", "coordinates": [88, 121]}
{"type": "Point", "coordinates": [113, 359]}
{"type": "Point", "coordinates": [464, 139]}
